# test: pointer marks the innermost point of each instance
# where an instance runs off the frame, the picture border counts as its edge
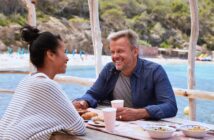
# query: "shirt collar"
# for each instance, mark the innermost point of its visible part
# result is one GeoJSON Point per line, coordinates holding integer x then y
{"type": "Point", "coordinates": [138, 68]}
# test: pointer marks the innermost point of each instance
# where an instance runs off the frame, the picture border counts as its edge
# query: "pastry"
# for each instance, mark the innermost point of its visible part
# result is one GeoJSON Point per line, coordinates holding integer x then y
{"type": "Point", "coordinates": [88, 115]}
{"type": "Point", "coordinates": [82, 111]}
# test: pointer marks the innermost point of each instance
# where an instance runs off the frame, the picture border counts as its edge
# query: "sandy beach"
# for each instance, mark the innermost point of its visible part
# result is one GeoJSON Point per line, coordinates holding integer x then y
{"type": "Point", "coordinates": [16, 61]}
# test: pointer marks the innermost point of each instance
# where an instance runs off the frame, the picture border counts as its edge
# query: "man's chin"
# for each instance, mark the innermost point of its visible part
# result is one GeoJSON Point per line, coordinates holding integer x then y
{"type": "Point", "coordinates": [118, 68]}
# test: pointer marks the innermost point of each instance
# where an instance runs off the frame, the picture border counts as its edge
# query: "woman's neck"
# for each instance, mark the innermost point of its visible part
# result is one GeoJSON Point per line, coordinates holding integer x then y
{"type": "Point", "coordinates": [50, 73]}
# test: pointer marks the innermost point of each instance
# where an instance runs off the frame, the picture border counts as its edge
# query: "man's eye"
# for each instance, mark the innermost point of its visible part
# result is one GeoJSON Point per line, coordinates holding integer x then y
{"type": "Point", "coordinates": [118, 51]}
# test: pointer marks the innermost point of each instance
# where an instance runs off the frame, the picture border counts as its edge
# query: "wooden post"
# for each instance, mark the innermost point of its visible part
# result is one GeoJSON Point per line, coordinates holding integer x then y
{"type": "Point", "coordinates": [191, 54]}
{"type": "Point", "coordinates": [96, 34]}
{"type": "Point", "coordinates": [30, 4]}
{"type": "Point", "coordinates": [32, 14]}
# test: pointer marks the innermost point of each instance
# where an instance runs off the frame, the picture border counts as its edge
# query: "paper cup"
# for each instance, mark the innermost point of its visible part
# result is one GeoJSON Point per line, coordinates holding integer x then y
{"type": "Point", "coordinates": [109, 115]}
{"type": "Point", "coordinates": [117, 103]}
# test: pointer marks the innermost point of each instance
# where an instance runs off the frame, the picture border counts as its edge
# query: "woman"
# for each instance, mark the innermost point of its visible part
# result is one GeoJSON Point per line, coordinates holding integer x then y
{"type": "Point", "coordinates": [39, 106]}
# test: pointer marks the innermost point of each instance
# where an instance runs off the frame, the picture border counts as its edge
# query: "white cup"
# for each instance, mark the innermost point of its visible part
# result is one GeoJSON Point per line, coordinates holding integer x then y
{"type": "Point", "coordinates": [109, 115]}
{"type": "Point", "coordinates": [117, 103]}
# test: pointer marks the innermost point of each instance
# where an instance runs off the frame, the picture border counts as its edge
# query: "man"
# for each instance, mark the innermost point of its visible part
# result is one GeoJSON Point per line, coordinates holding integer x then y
{"type": "Point", "coordinates": [143, 85]}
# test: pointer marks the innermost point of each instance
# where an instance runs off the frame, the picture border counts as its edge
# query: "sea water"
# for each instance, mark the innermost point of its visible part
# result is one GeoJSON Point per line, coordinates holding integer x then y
{"type": "Point", "coordinates": [177, 74]}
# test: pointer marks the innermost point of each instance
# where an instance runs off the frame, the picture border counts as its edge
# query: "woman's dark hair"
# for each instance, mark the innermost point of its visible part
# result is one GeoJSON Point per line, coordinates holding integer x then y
{"type": "Point", "coordinates": [39, 43]}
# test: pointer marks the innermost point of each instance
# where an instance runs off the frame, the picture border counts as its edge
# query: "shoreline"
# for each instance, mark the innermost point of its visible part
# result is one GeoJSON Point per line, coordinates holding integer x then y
{"type": "Point", "coordinates": [16, 61]}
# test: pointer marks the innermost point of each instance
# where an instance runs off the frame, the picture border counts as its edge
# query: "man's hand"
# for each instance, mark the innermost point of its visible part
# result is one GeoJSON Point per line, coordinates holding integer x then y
{"type": "Point", "coordinates": [130, 114]}
{"type": "Point", "coordinates": [82, 104]}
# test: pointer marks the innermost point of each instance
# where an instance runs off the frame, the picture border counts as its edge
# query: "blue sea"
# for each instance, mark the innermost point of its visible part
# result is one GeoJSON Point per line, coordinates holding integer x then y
{"type": "Point", "coordinates": [177, 74]}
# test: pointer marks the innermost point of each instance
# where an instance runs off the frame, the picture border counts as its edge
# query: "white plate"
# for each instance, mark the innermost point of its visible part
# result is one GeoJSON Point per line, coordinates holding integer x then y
{"type": "Point", "coordinates": [159, 132]}
{"type": "Point", "coordinates": [189, 131]}
{"type": "Point", "coordinates": [100, 124]}
{"type": "Point", "coordinates": [86, 120]}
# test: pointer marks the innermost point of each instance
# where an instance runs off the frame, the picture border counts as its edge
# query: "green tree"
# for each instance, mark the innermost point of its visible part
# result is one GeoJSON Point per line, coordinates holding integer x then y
{"type": "Point", "coordinates": [114, 18]}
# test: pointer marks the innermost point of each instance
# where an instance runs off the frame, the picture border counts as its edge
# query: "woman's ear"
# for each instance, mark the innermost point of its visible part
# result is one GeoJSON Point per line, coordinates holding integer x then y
{"type": "Point", "coordinates": [50, 55]}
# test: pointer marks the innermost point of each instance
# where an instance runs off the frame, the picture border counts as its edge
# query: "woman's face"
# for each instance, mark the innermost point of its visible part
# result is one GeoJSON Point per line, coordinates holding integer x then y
{"type": "Point", "coordinates": [60, 59]}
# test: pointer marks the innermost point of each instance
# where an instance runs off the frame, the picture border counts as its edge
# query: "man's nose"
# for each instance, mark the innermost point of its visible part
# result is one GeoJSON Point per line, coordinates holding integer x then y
{"type": "Point", "coordinates": [115, 54]}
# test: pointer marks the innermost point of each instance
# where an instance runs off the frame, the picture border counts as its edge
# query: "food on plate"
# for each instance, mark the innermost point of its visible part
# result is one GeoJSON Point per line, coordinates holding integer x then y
{"type": "Point", "coordinates": [197, 128]}
{"type": "Point", "coordinates": [160, 132]}
{"type": "Point", "coordinates": [160, 129]}
{"type": "Point", "coordinates": [97, 123]}
{"type": "Point", "coordinates": [82, 111]}
{"type": "Point", "coordinates": [88, 115]}
{"type": "Point", "coordinates": [97, 119]}
{"type": "Point", "coordinates": [195, 131]}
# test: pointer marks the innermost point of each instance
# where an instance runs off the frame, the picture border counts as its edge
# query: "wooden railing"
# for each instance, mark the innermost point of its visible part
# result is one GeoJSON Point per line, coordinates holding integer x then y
{"type": "Point", "coordinates": [190, 94]}
{"type": "Point", "coordinates": [14, 72]}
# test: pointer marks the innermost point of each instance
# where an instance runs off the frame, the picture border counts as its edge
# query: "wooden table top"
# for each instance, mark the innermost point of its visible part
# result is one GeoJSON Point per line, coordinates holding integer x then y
{"type": "Point", "coordinates": [91, 134]}
{"type": "Point", "coordinates": [96, 133]}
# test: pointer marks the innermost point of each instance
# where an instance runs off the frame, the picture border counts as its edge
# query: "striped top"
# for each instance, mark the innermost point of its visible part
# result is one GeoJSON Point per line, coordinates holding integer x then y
{"type": "Point", "coordinates": [38, 108]}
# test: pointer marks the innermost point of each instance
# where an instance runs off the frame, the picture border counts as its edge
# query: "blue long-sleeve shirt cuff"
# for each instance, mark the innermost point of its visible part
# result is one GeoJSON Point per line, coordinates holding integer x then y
{"type": "Point", "coordinates": [90, 100]}
{"type": "Point", "coordinates": [155, 112]}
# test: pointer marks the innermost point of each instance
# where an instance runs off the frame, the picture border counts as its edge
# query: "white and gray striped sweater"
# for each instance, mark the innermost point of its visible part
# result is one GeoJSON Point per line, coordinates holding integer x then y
{"type": "Point", "coordinates": [38, 108]}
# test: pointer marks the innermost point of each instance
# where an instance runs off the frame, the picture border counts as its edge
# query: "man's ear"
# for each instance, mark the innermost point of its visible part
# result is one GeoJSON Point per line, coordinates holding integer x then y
{"type": "Point", "coordinates": [136, 51]}
{"type": "Point", "coordinates": [50, 55]}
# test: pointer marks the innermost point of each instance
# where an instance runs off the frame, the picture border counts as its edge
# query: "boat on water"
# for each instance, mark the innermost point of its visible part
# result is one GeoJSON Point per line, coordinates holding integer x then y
{"type": "Point", "coordinates": [204, 57]}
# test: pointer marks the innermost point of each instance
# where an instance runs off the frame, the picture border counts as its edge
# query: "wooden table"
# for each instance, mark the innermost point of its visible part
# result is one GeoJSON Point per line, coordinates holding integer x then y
{"type": "Point", "coordinates": [91, 134]}
{"type": "Point", "coordinates": [95, 133]}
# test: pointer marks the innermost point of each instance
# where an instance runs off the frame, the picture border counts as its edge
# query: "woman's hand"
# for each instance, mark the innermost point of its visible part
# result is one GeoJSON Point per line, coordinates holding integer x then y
{"type": "Point", "coordinates": [82, 104]}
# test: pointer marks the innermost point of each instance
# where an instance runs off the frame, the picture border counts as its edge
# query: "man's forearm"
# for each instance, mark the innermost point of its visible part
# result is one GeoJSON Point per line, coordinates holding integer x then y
{"type": "Point", "coordinates": [142, 114]}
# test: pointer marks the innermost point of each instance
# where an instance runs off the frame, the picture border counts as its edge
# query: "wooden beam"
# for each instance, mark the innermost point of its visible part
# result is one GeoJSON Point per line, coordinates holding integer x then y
{"type": "Point", "coordinates": [74, 80]}
{"type": "Point", "coordinates": [6, 91]}
{"type": "Point", "coordinates": [194, 94]}
{"type": "Point", "coordinates": [31, 12]}
{"type": "Point", "coordinates": [14, 72]}
{"type": "Point", "coordinates": [190, 94]}
{"type": "Point", "coordinates": [191, 54]}
{"type": "Point", "coordinates": [30, 4]}
{"type": "Point", "coordinates": [96, 34]}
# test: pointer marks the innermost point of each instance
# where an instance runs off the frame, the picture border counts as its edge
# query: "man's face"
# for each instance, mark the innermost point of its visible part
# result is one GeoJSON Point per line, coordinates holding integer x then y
{"type": "Point", "coordinates": [124, 56]}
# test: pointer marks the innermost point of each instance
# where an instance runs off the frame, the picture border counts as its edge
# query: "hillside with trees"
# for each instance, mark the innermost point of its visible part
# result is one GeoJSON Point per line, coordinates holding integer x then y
{"type": "Point", "coordinates": [160, 23]}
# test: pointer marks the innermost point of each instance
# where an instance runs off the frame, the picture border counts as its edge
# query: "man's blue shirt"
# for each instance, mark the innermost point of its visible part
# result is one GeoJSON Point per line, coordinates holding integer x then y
{"type": "Point", "coordinates": [150, 89]}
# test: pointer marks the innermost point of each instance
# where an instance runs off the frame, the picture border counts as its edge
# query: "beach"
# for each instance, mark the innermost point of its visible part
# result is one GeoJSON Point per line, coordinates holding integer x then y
{"type": "Point", "coordinates": [15, 61]}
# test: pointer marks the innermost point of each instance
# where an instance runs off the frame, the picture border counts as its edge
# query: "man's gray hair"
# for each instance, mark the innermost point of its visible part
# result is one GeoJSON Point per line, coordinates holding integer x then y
{"type": "Point", "coordinates": [130, 34]}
